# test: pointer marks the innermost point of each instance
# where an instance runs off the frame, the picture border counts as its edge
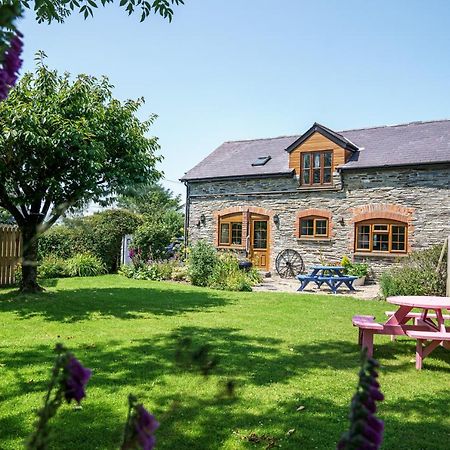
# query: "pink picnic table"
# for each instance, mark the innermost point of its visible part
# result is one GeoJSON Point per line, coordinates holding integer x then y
{"type": "Point", "coordinates": [426, 328]}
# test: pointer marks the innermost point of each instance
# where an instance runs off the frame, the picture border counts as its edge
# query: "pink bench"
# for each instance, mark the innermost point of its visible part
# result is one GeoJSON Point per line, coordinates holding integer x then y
{"type": "Point", "coordinates": [417, 315]}
{"type": "Point", "coordinates": [367, 328]}
{"type": "Point", "coordinates": [422, 351]}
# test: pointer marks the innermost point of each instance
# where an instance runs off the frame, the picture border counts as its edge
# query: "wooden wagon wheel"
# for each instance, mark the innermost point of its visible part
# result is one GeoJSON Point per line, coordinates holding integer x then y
{"type": "Point", "coordinates": [289, 263]}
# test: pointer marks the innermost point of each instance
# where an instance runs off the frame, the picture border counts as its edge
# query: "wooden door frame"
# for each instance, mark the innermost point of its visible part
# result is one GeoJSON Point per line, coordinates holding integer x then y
{"type": "Point", "coordinates": [254, 217]}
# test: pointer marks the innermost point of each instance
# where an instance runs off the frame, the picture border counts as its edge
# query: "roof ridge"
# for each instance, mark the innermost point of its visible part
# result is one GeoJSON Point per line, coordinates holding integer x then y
{"type": "Point", "coordinates": [416, 122]}
{"type": "Point", "coordinates": [262, 139]}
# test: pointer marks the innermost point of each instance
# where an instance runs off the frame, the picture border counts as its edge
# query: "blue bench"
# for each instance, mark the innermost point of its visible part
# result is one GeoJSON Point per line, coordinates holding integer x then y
{"type": "Point", "coordinates": [333, 282]}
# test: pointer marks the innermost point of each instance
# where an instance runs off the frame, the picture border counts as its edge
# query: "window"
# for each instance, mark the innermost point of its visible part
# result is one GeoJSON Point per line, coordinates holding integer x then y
{"type": "Point", "coordinates": [381, 236]}
{"type": "Point", "coordinates": [261, 160]}
{"type": "Point", "coordinates": [316, 168]}
{"type": "Point", "coordinates": [313, 227]}
{"type": "Point", "coordinates": [230, 230]}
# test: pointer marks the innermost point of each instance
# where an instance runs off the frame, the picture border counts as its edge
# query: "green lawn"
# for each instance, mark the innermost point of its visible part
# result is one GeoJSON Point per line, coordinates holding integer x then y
{"type": "Point", "coordinates": [283, 351]}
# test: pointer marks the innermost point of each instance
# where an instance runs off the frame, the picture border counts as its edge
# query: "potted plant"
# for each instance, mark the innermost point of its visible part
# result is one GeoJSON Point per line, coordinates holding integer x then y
{"type": "Point", "coordinates": [359, 270]}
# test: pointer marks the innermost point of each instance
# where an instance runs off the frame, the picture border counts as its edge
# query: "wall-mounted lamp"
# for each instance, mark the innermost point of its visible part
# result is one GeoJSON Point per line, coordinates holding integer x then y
{"type": "Point", "coordinates": [342, 221]}
{"type": "Point", "coordinates": [276, 219]}
{"type": "Point", "coordinates": [203, 219]}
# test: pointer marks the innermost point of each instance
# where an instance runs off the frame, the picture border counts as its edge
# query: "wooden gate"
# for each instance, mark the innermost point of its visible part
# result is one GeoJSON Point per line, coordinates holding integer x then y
{"type": "Point", "coordinates": [10, 253]}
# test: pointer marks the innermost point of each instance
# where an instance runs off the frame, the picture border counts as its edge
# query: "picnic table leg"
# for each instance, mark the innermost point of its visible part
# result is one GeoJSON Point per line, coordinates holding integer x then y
{"type": "Point", "coordinates": [398, 317]}
{"type": "Point", "coordinates": [419, 354]}
{"type": "Point", "coordinates": [422, 352]}
{"type": "Point", "coordinates": [367, 342]}
{"type": "Point", "coordinates": [349, 284]}
{"type": "Point", "coordinates": [303, 285]}
{"type": "Point", "coordinates": [332, 285]}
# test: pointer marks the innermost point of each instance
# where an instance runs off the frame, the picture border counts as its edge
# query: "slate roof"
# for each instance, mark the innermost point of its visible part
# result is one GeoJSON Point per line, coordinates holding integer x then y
{"type": "Point", "coordinates": [415, 143]}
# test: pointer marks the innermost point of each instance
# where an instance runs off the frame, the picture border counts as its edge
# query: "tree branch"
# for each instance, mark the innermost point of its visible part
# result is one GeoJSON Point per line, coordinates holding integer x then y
{"type": "Point", "coordinates": [7, 204]}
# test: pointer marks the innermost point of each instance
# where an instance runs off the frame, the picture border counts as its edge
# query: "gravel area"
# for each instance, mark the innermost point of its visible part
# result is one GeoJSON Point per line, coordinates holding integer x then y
{"type": "Point", "coordinates": [277, 284]}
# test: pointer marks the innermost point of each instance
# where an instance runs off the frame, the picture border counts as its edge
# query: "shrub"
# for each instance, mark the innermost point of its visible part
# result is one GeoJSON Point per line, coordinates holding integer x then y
{"type": "Point", "coordinates": [180, 273]}
{"type": "Point", "coordinates": [229, 277]}
{"type": "Point", "coordinates": [354, 269]}
{"type": "Point", "coordinates": [126, 270]}
{"type": "Point", "coordinates": [85, 265]}
{"type": "Point", "coordinates": [156, 233]}
{"type": "Point", "coordinates": [52, 267]}
{"type": "Point", "coordinates": [18, 274]}
{"type": "Point", "coordinates": [155, 271]}
{"type": "Point", "coordinates": [417, 275]}
{"type": "Point", "coordinates": [202, 260]}
{"type": "Point", "coordinates": [100, 234]}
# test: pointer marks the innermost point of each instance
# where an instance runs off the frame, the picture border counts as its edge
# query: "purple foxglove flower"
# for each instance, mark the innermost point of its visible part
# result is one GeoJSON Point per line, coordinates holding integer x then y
{"type": "Point", "coordinates": [366, 431]}
{"type": "Point", "coordinates": [376, 424]}
{"type": "Point", "coordinates": [11, 65]}
{"type": "Point", "coordinates": [76, 378]}
{"type": "Point", "coordinates": [146, 425]}
{"type": "Point", "coordinates": [376, 394]}
{"type": "Point", "coordinates": [373, 436]}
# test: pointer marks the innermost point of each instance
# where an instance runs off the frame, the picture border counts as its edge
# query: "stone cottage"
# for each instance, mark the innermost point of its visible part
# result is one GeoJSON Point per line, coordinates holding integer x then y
{"type": "Point", "coordinates": [373, 194]}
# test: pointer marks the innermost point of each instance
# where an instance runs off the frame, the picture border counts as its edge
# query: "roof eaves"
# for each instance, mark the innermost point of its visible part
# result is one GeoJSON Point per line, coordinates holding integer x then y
{"type": "Point", "coordinates": [240, 177]}
{"type": "Point", "coordinates": [393, 166]}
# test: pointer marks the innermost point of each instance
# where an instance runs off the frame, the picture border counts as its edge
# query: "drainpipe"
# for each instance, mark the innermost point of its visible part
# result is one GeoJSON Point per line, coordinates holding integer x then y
{"type": "Point", "coordinates": [186, 218]}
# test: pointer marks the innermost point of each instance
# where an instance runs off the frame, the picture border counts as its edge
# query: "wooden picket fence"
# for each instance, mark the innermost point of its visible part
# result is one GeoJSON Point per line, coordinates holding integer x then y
{"type": "Point", "coordinates": [10, 253]}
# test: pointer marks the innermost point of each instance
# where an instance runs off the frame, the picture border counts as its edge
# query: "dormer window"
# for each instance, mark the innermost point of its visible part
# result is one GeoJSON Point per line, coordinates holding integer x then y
{"type": "Point", "coordinates": [261, 160]}
{"type": "Point", "coordinates": [316, 168]}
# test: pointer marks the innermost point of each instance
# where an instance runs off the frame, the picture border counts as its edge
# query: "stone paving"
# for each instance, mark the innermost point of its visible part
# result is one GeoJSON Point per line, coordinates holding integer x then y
{"type": "Point", "coordinates": [277, 284]}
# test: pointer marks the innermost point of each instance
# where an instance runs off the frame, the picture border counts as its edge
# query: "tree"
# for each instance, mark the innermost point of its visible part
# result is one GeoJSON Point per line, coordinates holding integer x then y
{"type": "Point", "coordinates": [49, 10]}
{"type": "Point", "coordinates": [64, 143]}
{"type": "Point", "coordinates": [153, 199]}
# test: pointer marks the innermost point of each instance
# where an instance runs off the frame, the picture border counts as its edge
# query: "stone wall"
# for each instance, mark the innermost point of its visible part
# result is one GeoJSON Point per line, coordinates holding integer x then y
{"type": "Point", "coordinates": [420, 197]}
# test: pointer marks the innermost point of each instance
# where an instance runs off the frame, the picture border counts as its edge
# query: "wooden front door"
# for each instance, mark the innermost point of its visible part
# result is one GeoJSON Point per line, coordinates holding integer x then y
{"type": "Point", "coordinates": [259, 242]}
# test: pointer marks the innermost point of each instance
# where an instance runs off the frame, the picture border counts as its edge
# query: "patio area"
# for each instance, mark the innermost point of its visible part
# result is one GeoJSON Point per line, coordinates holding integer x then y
{"type": "Point", "coordinates": [275, 283]}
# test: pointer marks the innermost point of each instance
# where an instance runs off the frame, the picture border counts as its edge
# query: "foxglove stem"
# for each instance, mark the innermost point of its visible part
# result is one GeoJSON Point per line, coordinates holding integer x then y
{"type": "Point", "coordinates": [68, 381]}
{"type": "Point", "coordinates": [39, 439]}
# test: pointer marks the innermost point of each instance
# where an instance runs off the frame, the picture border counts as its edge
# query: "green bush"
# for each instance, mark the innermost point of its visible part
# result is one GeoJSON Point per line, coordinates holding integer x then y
{"type": "Point", "coordinates": [100, 234]}
{"type": "Point", "coordinates": [180, 273]}
{"type": "Point", "coordinates": [354, 269]}
{"type": "Point", "coordinates": [202, 260]}
{"type": "Point", "coordinates": [52, 267]}
{"type": "Point", "coordinates": [155, 272]}
{"type": "Point", "coordinates": [85, 265]}
{"type": "Point", "coordinates": [228, 276]}
{"type": "Point", "coordinates": [127, 270]}
{"type": "Point", "coordinates": [156, 233]}
{"type": "Point", "coordinates": [417, 275]}
{"type": "Point", "coordinates": [18, 274]}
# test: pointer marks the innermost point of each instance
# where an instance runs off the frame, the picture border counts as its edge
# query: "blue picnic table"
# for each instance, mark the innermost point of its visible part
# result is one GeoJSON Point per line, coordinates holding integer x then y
{"type": "Point", "coordinates": [332, 276]}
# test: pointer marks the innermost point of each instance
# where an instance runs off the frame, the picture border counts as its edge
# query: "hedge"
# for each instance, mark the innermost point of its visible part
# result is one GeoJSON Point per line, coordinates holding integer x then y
{"type": "Point", "coordinates": [100, 234]}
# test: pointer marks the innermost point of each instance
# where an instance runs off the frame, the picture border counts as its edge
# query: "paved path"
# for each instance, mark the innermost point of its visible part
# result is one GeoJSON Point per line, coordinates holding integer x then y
{"type": "Point", "coordinates": [277, 284]}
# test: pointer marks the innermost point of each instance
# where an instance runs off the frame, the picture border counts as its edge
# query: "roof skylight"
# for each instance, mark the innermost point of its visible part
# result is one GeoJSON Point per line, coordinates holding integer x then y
{"type": "Point", "coordinates": [261, 160]}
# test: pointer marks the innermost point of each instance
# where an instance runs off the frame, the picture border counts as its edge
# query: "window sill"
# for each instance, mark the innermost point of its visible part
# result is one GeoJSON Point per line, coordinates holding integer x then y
{"type": "Point", "coordinates": [317, 239]}
{"type": "Point", "coordinates": [318, 188]}
{"type": "Point", "coordinates": [380, 254]}
{"type": "Point", "coordinates": [230, 247]}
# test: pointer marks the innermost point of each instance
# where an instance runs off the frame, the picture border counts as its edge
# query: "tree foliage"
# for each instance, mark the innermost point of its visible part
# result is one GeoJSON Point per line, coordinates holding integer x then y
{"type": "Point", "coordinates": [152, 199]}
{"type": "Point", "coordinates": [65, 142]}
{"type": "Point", "coordinates": [58, 10]}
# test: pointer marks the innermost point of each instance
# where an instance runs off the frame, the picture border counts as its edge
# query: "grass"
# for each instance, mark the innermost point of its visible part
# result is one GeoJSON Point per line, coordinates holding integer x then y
{"type": "Point", "coordinates": [282, 350]}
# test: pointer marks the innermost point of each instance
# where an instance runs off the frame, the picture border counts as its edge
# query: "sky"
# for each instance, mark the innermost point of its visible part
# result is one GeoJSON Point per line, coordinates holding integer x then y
{"type": "Point", "coordinates": [232, 69]}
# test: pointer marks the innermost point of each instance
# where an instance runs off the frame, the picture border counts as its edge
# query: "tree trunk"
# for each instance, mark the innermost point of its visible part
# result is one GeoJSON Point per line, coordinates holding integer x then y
{"type": "Point", "coordinates": [29, 282]}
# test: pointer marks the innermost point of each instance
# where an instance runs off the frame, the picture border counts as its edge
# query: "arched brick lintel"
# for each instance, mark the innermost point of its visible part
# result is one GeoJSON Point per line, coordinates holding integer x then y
{"type": "Point", "coordinates": [313, 212]}
{"type": "Point", "coordinates": [383, 211]}
{"type": "Point", "coordinates": [244, 209]}
{"type": "Point", "coordinates": [386, 211]}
